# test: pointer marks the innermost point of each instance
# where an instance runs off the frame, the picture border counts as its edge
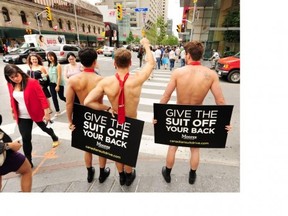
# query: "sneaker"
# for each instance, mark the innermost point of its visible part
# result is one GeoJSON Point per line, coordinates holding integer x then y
{"type": "Point", "coordinates": [105, 175]}
{"type": "Point", "coordinates": [192, 177]}
{"type": "Point", "coordinates": [90, 175]}
{"type": "Point", "coordinates": [165, 175]}
{"type": "Point", "coordinates": [55, 144]}
{"type": "Point", "coordinates": [130, 178]}
{"type": "Point", "coordinates": [122, 179]}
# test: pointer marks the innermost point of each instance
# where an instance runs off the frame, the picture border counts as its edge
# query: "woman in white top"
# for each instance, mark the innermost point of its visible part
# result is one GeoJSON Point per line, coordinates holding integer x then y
{"type": "Point", "coordinates": [73, 67]}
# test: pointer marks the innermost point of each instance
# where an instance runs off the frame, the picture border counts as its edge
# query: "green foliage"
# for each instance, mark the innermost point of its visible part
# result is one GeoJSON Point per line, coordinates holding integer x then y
{"type": "Point", "coordinates": [232, 19]}
{"type": "Point", "coordinates": [130, 38]}
{"type": "Point", "coordinates": [170, 40]}
{"type": "Point", "coordinates": [157, 32]}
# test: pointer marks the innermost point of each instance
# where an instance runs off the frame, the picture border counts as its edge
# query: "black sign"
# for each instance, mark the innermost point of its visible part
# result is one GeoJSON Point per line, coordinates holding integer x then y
{"type": "Point", "coordinates": [99, 133]}
{"type": "Point", "coordinates": [192, 126]}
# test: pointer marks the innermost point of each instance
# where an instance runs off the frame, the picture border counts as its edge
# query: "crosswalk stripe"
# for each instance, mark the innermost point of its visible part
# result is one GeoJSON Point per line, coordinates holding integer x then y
{"type": "Point", "coordinates": [155, 91]}
{"type": "Point", "coordinates": [151, 83]}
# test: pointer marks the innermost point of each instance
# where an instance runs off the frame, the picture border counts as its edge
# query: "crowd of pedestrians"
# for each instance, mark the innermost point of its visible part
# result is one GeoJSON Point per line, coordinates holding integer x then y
{"type": "Point", "coordinates": [29, 98]}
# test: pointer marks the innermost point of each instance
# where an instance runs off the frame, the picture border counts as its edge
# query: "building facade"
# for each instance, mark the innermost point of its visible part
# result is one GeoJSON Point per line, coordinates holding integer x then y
{"type": "Point", "coordinates": [203, 20]}
{"type": "Point", "coordinates": [79, 21]}
{"type": "Point", "coordinates": [137, 22]}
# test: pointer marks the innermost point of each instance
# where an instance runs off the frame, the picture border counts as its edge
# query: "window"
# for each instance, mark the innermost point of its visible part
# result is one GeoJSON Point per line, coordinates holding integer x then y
{"type": "Point", "coordinates": [50, 24]}
{"type": "Point", "coordinates": [69, 25]}
{"type": "Point", "coordinates": [5, 14]}
{"type": "Point", "coordinates": [89, 28]}
{"type": "Point", "coordinates": [23, 17]}
{"type": "Point", "coordinates": [94, 29]}
{"type": "Point", "coordinates": [60, 24]}
{"type": "Point", "coordinates": [99, 30]}
{"type": "Point", "coordinates": [83, 27]}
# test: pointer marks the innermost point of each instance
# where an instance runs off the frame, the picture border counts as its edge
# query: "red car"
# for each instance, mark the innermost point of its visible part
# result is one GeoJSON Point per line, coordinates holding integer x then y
{"type": "Point", "coordinates": [229, 67]}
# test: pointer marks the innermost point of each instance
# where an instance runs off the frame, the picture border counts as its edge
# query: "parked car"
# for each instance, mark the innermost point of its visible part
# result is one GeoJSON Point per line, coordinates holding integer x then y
{"type": "Point", "coordinates": [135, 48]}
{"type": "Point", "coordinates": [100, 50]}
{"type": "Point", "coordinates": [61, 51]}
{"type": "Point", "coordinates": [107, 51]}
{"type": "Point", "coordinates": [19, 56]}
{"type": "Point", "coordinates": [229, 67]}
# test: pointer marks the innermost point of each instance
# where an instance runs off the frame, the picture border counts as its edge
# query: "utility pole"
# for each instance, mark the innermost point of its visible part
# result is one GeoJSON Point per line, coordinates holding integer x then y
{"type": "Point", "coordinates": [76, 23]}
{"type": "Point", "coordinates": [193, 19]}
{"type": "Point", "coordinates": [37, 18]}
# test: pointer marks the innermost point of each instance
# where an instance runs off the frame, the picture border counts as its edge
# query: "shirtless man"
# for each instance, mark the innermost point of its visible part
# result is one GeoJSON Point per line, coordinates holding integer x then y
{"type": "Point", "coordinates": [192, 83]}
{"type": "Point", "coordinates": [81, 84]}
{"type": "Point", "coordinates": [132, 90]}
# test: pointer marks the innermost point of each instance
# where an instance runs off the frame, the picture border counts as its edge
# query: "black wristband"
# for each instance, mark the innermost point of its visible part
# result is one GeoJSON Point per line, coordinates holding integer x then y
{"type": "Point", "coordinates": [108, 109]}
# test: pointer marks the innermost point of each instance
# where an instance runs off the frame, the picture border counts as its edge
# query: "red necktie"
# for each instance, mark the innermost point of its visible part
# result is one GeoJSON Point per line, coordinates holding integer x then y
{"type": "Point", "coordinates": [121, 99]}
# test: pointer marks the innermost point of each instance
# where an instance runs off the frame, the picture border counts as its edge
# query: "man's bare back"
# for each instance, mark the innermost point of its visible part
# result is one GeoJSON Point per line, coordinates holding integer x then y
{"type": "Point", "coordinates": [110, 85]}
{"type": "Point", "coordinates": [83, 83]}
{"type": "Point", "coordinates": [192, 83]}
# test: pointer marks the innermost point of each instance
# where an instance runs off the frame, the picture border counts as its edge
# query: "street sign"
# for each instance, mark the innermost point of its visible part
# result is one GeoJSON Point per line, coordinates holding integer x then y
{"type": "Point", "coordinates": [141, 9]}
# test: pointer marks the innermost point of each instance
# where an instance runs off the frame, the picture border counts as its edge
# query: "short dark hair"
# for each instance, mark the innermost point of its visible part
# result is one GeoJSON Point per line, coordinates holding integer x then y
{"type": "Point", "coordinates": [71, 54]}
{"type": "Point", "coordinates": [122, 58]}
{"type": "Point", "coordinates": [195, 49]}
{"type": "Point", "coordinates": [87, 56]}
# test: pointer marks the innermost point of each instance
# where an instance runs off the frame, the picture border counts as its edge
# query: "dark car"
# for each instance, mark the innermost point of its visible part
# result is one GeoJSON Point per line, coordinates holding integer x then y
{"type": "Point", "coordinates": [19, 56]}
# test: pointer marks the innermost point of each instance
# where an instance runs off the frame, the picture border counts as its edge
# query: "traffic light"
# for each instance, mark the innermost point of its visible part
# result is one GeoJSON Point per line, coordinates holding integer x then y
{"type": "Point", "coordinates": [48, 13]}
{"type": "Point", "coordinates": [119, 12]}
{"type": "Point", "coordinates": [28, 31]}
{"type": "Point", "coordinates": [179, 28]}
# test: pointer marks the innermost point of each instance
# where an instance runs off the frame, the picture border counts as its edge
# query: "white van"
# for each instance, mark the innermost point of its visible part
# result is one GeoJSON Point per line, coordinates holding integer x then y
{"type": "Point", "coordinates": [43, 40]}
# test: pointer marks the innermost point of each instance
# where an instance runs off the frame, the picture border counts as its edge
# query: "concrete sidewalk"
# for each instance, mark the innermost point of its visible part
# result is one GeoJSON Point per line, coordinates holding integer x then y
{"type": "Point", "coordinates": [52, 173]}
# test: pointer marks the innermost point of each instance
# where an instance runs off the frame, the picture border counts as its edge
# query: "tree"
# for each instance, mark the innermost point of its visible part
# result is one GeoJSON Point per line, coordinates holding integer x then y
{"type": "Point", "coordinates": [130, 38]}
{"type": "Point", "coordinates": [157, 32]}
{"type": "Point", "coordinates": [171, 40]}
{"type": "Point", "coordinates": [232, 19]}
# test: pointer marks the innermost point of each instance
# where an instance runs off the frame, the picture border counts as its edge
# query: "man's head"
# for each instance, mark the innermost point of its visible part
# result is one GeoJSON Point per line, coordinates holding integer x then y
{"type": "Point", "coordinates": [195, 49]}
{"type": "Point", "coordinates": [122, 58]}
{"type": "Point", "coordinates": [88, 57]}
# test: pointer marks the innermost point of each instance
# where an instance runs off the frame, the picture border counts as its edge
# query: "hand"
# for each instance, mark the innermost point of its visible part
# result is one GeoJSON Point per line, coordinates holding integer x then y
{"type": "Point", "coordinates": [144, 41]}
{"type": "Point", "coordinates": [72, 127]}
{"type": "Point", "coordinates": [15, 145]}
{"type": "Point", "coordinates": [57, 88]}
{"type": "Point", "coordinates": [112, 112]}
{"type": "Point", "coordinates": [228, 128]}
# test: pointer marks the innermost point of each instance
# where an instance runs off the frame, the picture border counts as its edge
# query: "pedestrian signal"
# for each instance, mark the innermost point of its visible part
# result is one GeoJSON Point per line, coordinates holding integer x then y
{"type": "Point", "coordinates": [48, 13]}
{"type": "Point", "coordinates": [119, 12]}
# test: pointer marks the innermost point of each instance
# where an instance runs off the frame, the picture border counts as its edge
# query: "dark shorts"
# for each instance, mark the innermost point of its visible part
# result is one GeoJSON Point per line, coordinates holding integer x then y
{"type": "Point", "coordinates": [13, 162]}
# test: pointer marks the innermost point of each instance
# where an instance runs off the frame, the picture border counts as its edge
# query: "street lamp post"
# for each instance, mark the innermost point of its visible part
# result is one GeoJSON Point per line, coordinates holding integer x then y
{"type": "Point", "coordinates": [37, 18]}
{"type": "Point", "coordinates": [193, 19]}
{"type": "Point", "coordinates": [76, 23]}
{"type": "Point", "coordinates": [191, 30]}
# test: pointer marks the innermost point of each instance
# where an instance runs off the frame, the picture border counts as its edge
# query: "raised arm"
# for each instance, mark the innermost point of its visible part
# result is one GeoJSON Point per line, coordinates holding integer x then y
{"type": "Point", "coordinates": [144, 74]}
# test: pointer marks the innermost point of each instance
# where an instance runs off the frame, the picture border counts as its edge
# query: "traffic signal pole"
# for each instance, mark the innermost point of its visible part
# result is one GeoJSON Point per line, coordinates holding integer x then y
{"type": "Point", "coordinates": [37, 18]}
{"type": "Point", "coordinates": [193, 19]}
